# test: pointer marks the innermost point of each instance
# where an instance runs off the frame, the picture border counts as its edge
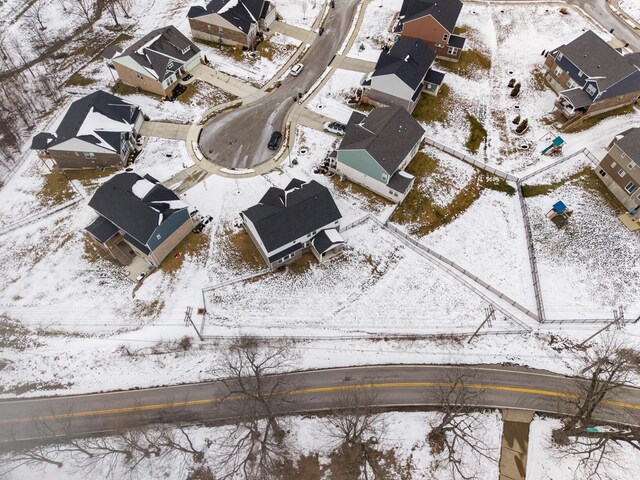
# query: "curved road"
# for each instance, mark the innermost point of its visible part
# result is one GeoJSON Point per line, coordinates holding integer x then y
{"type": "Point", "coordinates": [239, 139]}
{"type": "Point", "coordinates": [308, 391]}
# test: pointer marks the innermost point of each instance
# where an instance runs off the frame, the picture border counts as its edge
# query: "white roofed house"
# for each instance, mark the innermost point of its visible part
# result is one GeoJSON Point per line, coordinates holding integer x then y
{"type": "Point", "coordinates": [158, 61]}
{"type": "Point", "coordinates": [96, 131]}
{"type": "Point", "coordinates": [232, 22]}
{"type": "Point", "coordinates": [140, 221]}
{"type": "Point", "coordinates": [289, 221]}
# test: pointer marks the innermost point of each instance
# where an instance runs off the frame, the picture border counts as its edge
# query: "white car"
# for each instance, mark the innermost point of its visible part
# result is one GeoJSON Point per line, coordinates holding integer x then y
{"type": "Point", "coordinates": [296, 69]}
{"type": "Point", "coordinates": [335, 128]}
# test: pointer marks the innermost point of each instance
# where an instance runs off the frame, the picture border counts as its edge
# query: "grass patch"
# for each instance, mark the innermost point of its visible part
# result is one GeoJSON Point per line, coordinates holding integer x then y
{"type": "Point", "coordinates": [15, 335]}
{"type": "Point", "coordinates": [587, 178]}
{"type": "Point", "coordinates": [56, 189]}
{"type": "Point", "coordinates": [267, 50]}
{"type": "Point", "coordinates": [241, 251]}
{"type": "Point", "coordinates": [499, 185]}
{"type": "Point", "coordinates": [21, 388]}
{"type": "Point", "coordinates": [88, 176]}
{"type": "Point", "coordinates": [363, 107]}
{"type": "Point", "coordinates": [303, 264]}
{"type": "Point", "coordinates": [434, 109]}
{"type": "Point", "coordinates": [539, 82]}
{"type": "Point", "coordinates": [235, 52]}
{"type": "Point", "coordinates": [78, 80]}
{"type": "Point", "coordinates": [120, 88]}
{"type": "Point", "coordinates": [478, 134]}
{"type": "Point", "coordinates": [193, 245]}
{"type": "Point", "coordinates": [591, 121]}
{"type": "Point", "coordinates": [470, 61]}
{"type": "Point", "coordinates": [461, 30]}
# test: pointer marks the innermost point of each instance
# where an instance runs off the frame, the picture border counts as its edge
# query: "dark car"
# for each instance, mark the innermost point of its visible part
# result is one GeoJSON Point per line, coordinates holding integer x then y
{"type": "Point", "coordinates": [274, 142]}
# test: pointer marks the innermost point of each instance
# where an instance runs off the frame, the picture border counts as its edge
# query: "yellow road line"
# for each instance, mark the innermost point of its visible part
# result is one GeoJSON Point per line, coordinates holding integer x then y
{"type": "Point", "coordinates": [191, 403]}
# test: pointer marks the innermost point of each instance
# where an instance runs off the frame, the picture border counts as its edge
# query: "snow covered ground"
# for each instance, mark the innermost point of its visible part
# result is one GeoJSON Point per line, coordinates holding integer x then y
{"type": "Point", "coordinates": [632, 8]}
{"type": "Point", "coordinates": [374, 32]}
{"type": "Point", "coordinates": [162, 158]}
{"type": "Point", "coordinates": [332, 98]}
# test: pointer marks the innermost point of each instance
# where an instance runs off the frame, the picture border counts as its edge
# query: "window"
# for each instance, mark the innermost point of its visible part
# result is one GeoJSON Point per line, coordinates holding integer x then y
{"type": "Point", "coordinates": [631, 166]}
{"type": "Point", "coordinates": [445, 37]}
{"type": "Point", "coordinates": [89, 155]}
{"type": "Point", "coordinates": [602, 173]}
{"type": "Point", "coordinates": [453, 51]}
{"type": "Point", "coordinates": [613, 164]}
{"type": "Point", "coordinates": [221, 30]}
{"type": "Point", "coordinates": [558, 71]}
{"type": "Point", "coordinates": [159, 237]}
{"type": "Point", "coordinates": [572, 84]}
{"type": "Point", "coordinates": [622, 173]}
{"type": "Point", "coordinates": [384, 177]}
{"type": "Point", "coordinates": [591, 90]}
{"type": "Point", "coordinates": [439, 45]}
{"type": "Point", "coordinates": [623, 155]}
{"type": "Point", "coordinates": [580, 74]}
{"type": "Point", "coordinates": [560, 56]}
{"type": "Point", "coordinates": [631, 187]}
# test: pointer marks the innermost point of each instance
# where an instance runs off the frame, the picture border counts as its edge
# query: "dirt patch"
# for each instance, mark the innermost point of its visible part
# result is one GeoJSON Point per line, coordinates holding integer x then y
{"type": "Point", "coordinates": [478, 135]}
{"type": "Point", "coordinates": [240, 251]}
{"type": "Point", "coordinates": [21, 388]}
{"type": "Point", "coordinates": [434, 109]}
{"type": "Point", "coordinates": [471, 61]}
{"type": "Point", "coordinates": [56, 190]}
{"type": "Point", "coordinates": [15, 335]}
{"type": "Point", "coordinates": [194, 245]}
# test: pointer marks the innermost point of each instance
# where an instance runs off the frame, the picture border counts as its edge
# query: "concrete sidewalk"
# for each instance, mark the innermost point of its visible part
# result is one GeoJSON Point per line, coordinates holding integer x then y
{"type": "Point", "coordinates": [355, 64]}
{"type": "Point", "coordinates": [515, 443]}
{"type": "Point", "coordinates": [293, 31]}
{"type": "Point", "coordinates": [225, 82]}
{"type": "Point", "coordinates": [312, 119]}
{"type": "Point", "coordinates": [171, 131]}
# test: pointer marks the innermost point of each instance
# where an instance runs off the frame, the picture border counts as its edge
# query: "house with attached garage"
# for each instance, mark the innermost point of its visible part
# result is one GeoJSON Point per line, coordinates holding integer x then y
{"type": "Point", "coordinates": [620, 169]}
{"type": "Point", "coordinates": [289, 221]}
{"type": "Point", "coordinates": [232, 22]}
{"type": "Point", "coordinates": [433, 21]}
{"type": "Point", "coordinates": [139, 222]}
{"type": "Point", "coordinates": [401, 75]}
{"type": "Point", "coordinates": [375, 150]}
{"type": "Point", "coordinates": [158, 61]}
{"type": "Point", "coordinates": [591, 78]}
{"type": "Point", "coordinates": [96, 131]}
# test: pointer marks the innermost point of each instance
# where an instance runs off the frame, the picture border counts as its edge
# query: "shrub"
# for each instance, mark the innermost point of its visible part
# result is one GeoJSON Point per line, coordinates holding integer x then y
{"type": "Point", "coordinates": [516, 90]}
{"type": "Point", "coordinates": [523, 126]}
{"type": "Point", "coordinates": [516, 120]}
{"type": "Point", "coordinates": [512, 82]}
{"type": "Point", "coordinates": [185, 343]}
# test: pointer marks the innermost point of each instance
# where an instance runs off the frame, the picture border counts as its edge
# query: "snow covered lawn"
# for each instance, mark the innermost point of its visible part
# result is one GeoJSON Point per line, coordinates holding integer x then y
{"type": "Point", "coordinates": [374, 32]}
{"type": "Point", "coordinates": [332, 98]}
{"type": "Point", "coordinates": [300, 13]}
{"type": "Point", "coordinates": [631, 8]}
{"type": "Point", "coordinates": [162, 158]}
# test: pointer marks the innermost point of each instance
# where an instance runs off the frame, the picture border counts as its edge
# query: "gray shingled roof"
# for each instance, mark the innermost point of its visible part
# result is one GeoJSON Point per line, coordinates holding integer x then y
{"type": "Point", "coordinates": [309, 207]}
{"type": "Point", "coordinates": [162, 51]}
{"type": "Point", "coordinates": [446, 12]}
{"type": "Point", "coordinates": [109, 135]}
{"type": "Point", "coordinates": [388, 134]}
{"type": "Point", "coordinates": [629, 143]}
{"type": "Point", "coordinates": [242, 13]}
{"type": "Point", "coordinates": [102, 229]}
{"type": "Point", "coordinates": [577, 97]}
{"type": "Point", "coordinates": [409, 59]}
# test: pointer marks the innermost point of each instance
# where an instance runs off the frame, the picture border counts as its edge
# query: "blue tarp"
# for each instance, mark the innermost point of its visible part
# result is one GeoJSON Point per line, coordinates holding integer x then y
{"type": "Point", "coordinates": [559, 207]}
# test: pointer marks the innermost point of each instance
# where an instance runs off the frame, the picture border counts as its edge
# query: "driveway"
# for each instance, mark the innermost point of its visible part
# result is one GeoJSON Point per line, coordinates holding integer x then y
{"type": "Point", "coordinates": [223, 81]}
{"type": "Point", "coordinates": [239, 138]}
{"type": "Point", "coordinates": [292, 31]}
{"type": "Point", "coordinates": [171, 131]}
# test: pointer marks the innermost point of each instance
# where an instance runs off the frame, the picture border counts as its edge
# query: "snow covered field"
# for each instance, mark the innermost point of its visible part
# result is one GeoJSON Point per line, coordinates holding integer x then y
{"type": "Point", "coordinates": [331, 99]}
{"type": "Point", "coordinates": [374, 32]}
{"type": "Point", "coordinates": [162, 158]}
{"type": "Point", "coordinates": [631, 8]}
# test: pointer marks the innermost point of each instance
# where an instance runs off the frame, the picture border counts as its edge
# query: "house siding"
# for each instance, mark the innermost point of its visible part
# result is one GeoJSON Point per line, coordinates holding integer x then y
{"type": "Point", "coordinates": [71, 160]}
{"type": "Point", "coordinates": [614, 182]}
{"type": "Point", "coordinates": [432, 33]}
{"type": "Point", "coordinates": [214, 28]}
{"type": "Point", "coordinates": [160, 252]}
{"type": "Point", "coordinates": [364, 163]}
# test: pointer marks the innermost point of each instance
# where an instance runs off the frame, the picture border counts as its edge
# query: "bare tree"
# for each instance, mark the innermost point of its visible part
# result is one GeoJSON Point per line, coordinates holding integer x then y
{"type": "Point", "coordinates": [37, 12]}
{"type": "Point", "coordinates": [115, 6]}
{"type": "Point", "coordinates": [304, 5]}
{"type": "Point", "coordinates": [458, 437]}
{"type": "Point", "coordinates": [81, 8]}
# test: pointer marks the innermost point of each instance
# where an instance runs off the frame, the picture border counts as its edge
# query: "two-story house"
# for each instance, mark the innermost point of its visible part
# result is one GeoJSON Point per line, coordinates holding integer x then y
{"type": "Point", "coordinates": [402, 73]}
{"type": "Point", "coordinates": [620, 169]}
{"type": "Point", "coordinates": [232, 22]}
{"type": "Point", "coordinates": [139, 221]}
{"type": "Point", "coordinates": [433, 21]}
{"type": "Point", "coordinates": [591, 77]}
{"type": "Point", "coordinates": [96, 131]}
{"type": "Point", "coordinates": [376, 148]}
{"type": "Point", "coordinates": [158, 61]}
{"type": "Point", "coordinates": [289, 221]}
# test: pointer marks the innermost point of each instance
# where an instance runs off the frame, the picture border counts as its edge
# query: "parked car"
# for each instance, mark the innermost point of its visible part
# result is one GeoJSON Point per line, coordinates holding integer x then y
{"type": "Point", "coordinates": [274, 141]}
{"type": "Point", "coordinates": [296, 69]}
{"type": "Point", "coordinates": [335, 127]}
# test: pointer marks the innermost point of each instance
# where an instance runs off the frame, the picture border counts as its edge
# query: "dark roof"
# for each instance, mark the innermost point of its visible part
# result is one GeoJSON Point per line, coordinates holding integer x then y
{"type": "Point", "coordinates": [410, 59]}
{"type": "Point", "coordinates": [400, 181]}
{"type": "Point", "coordinates": [633, 58]}
{"type": "Point", "coordinates": [102, 229]}
{"type": "Point", "coordinates": [435, 77]}
{"type": "Point", "coordinates": [95, 131]}
{"type": "Point", "coordinates": [456, 41]}
{"type": "Point", "coordinates": [577, 97]}
{"type": "Point", "coordinates": [162, 51]}
{"type": "Point", "coordinates": [322, 243]}
{"type": "Point", "coordinates": [388, 134]}
{"type": "Point", "coordinates": [136, 205]}
{"type": "Point", "coordinates": [446, 12]}
{"type": "Point", "coordinates": [629, 143]}
{"type": "Point", "coordinates": [596, 59]}
{"type": "Point", "coordinates": [241, 13]}
{"type": "Point", "coordinates": [287, 215]}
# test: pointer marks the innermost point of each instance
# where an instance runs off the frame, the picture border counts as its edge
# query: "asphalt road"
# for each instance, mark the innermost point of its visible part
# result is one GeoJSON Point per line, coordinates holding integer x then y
{"type": "Point", "coordinates": [239, 138]}
{"type": "Point", "coordinates": [395, 386]}
{"type": "Point", "coordinates": [598, 10]}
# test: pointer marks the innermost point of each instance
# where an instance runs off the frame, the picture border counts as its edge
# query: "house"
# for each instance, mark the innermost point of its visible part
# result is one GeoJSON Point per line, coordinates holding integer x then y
{"type": "Point", "coordinates": [433, 21]}
{"type": "Point", "coordinates": [289, 221]}
{"type": "Point", "coordinates": [376, 148]}
{"type": "Point", "coordinates": [96, 131]}
{"type": "Point", "coordinates": [620, 168]}
{"type": "Point", "coordinates": [401, 75]}
{"type": "Point", "coordinates": [232, 22]}
{"type": "Point", "coordinates": [590, 78]}
{"type": "Point", "coordinates": [139, 222]}
{"type": "Point", "coordinates": [158, 61]}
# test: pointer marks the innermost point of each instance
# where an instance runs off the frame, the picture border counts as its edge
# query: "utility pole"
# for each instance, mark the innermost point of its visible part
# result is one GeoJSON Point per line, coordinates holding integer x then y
{"type": "Point", "coordinates": [618, 321]}
{"type": "Point", "coordinates": [490, 315]}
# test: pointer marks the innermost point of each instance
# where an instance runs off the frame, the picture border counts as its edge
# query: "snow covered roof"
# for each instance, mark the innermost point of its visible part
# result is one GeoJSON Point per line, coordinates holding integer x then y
{"type": "Point", "coordinates": [446, 12]}
{"type": "Point", "coordinates": [99, 118]}
{"type": "Point", "coordinates": [241, 13]}
{"type": "Point", "coordinates": [136, 205]}
{"type": "Point", "coordinates": [161, 52]}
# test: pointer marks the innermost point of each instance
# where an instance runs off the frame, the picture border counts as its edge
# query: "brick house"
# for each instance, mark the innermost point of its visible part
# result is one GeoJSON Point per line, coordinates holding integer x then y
{"type": "Point", "coordinates": [433, 22]}
{"type": "Point", "coordinates": [96, 131]}
{"type": "Point", "coordinates": [401, 75]}
{"type": "Point", "coordinates": [620, 168]}
{"type": "Point", "coordinates": [289, 221]}
{"type": "Point", "coordinates": [376, 149]}
{"type": "Point", "coordinates": [139, 222]}
{"type": "Point", "coordinates": [590, 77]}
{"type": "Point", "coordinates": [232, 22]}
{"type": "Point", "coordinates": [158, 61]}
